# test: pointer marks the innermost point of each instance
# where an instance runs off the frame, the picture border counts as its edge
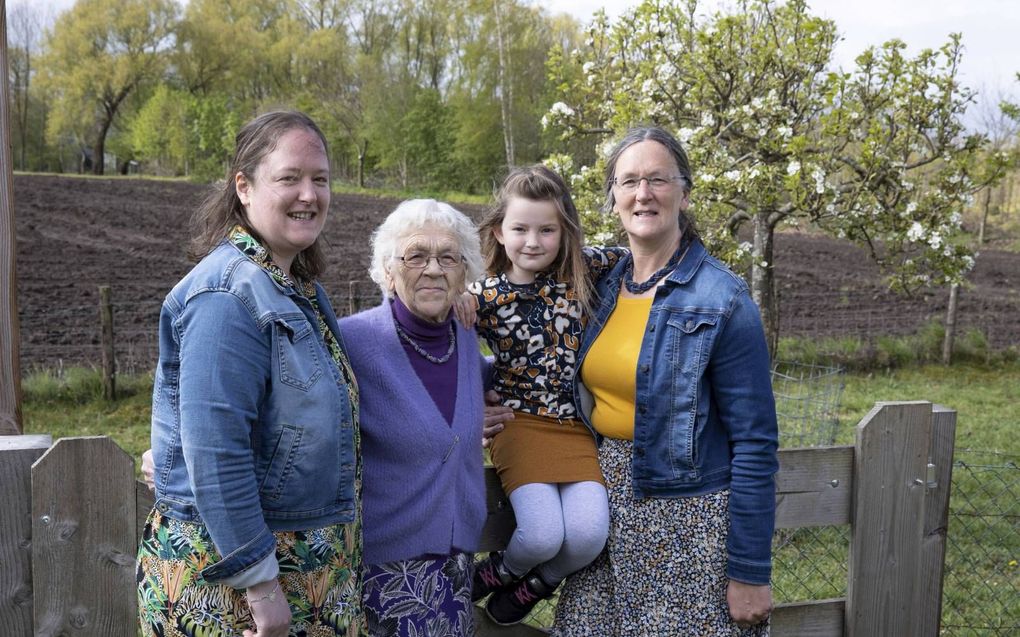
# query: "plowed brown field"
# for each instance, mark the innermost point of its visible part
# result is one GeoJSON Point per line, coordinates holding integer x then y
{"type": "Point", "coordinates": [75, 234]}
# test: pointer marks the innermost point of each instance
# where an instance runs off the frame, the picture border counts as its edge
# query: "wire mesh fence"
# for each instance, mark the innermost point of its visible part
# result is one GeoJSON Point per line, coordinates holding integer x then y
{"type": "Point", "coordinates": [981, 592]}
{"type": "Point", "coordinates": [807, 403]}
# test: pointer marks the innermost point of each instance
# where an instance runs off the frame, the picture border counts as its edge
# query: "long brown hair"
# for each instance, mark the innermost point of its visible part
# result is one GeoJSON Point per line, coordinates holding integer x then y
{"type": "Point", "coordinates": [222, 209]}
{"type": "Point", "coordinates": [539, 183]}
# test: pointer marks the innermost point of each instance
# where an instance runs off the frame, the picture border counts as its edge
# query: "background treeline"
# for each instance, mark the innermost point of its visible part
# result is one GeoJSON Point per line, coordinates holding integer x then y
{"type": "Point", "coordinates": [434, 94]}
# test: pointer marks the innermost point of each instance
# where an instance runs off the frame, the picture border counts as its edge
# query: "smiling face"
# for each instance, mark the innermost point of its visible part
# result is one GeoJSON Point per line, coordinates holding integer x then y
{"type": "Point", "coordinates": [288, 199]}
{"type": "Point", "coordinates": [428, 292]}
{"type": "Point", "coordinates": [650, 215]}
{"type": "Point", "coordinates": [531, 234]}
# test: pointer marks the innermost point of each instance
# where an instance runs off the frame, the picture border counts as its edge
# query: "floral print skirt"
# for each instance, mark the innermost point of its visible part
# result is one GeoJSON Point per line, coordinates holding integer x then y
{"type": "Point", "coordinates": [428, 597]}
{"type": "Point", "coordinates": [319, 572]}
{"type": "Point", "coordinates": [662, 572]}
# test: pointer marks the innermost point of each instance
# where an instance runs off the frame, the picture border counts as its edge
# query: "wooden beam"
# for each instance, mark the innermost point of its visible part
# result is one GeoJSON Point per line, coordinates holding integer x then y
{"type": "Point", "coordinates": [10, 364]}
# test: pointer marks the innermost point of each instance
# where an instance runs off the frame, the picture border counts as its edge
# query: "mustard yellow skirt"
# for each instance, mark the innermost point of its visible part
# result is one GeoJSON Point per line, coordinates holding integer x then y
{"type": "Point", "coordinates": [534, 449]}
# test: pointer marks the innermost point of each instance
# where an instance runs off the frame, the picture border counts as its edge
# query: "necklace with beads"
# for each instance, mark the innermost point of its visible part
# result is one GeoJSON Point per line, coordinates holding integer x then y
{"type": "Point", "coordinates": [438, 360]}
{"type": "Point", "coordinates": [644, 286]}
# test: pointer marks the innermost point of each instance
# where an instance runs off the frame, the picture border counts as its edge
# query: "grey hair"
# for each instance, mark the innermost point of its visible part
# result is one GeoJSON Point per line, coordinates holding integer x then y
{"type": "Point", "coordinates": [412, 216]}
{"type": "Point", "coordinates": [661, 136]}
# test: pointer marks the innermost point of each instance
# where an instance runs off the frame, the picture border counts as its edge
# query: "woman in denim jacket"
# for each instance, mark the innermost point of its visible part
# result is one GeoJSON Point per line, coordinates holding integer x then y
{"type": "Point", "coordinates": [676, 386]}
{"type": "Point", "coordinates": [257, 524]}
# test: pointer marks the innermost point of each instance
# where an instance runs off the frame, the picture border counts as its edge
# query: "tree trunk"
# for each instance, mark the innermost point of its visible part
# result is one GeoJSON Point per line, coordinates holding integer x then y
{"type": "Point", "coordinates": [984, 216]}
{"type": "Point", "coordinates": [950, 336]}
{"type": "Point", "coordinates": [362, 151]}
{"type": "Point", "coordinates": [763, 280]}
{"type": "Point", "coordinates": [97, 153]}
{"type": "Point", "coordinates": [505, 91]}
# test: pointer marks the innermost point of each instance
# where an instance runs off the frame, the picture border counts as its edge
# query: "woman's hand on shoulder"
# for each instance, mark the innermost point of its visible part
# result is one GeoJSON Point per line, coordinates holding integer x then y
{"type": "Point", "coordinates": [749, 604]}
{"type": "Point", "coordinates": [270, 611]}
{"type": "Point", "coordinates": [465, 308]}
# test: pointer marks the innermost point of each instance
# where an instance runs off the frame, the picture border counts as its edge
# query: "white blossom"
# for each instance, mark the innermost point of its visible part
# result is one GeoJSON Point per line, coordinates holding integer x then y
{"type": "Point", "coordinates": [935, 241]}
{"type": "Point", "coordinates": [559, 108]}
{"type": "Point", "coordinates": [819, 176]}
{"type": "Point", "coordinates": [732, 175]}
{"type": "Point", "coordinates": [706, 178]}
{"type": "Point", "coordinates": [911, 207]}
{"type": "Point", "coordinates": [685, 135]}
{"type": "Point", "coordinates": [793, 167]}
{"type": "Point", "coordinates": [588, 67]}
{"type": "Point", "coordinates": [955, 219]}
{"type": "Point", "coordinates": [757, 103]}
{"type": "Point", "coordinates": [784, 131]}
{"type": "Point", "coordinates": [916, 232]}
{"type": "Point", "coordinates": [707, 120]}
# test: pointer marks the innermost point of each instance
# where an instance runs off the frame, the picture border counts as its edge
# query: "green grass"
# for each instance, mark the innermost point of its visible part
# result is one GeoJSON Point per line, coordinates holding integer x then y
{"type": "Point", "coordinates": [449, 196]}
{"type": "Point", "coordinates": [982, 574]}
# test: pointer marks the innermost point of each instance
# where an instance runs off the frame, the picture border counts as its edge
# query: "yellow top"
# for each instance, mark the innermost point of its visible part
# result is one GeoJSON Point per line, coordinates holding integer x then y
{"type": "Point", "coordinates": [610, 368]}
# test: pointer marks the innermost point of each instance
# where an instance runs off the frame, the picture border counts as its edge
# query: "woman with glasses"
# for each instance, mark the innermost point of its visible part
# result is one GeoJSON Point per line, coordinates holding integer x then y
{"type": "Point", "coordinates": [675, 385]}
{"type": "Point", "coordinates": [420, 378]}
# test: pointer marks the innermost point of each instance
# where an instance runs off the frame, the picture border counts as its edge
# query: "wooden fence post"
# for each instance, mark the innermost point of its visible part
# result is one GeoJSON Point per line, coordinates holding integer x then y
{"type": "Point", "coordinates": [889, 562]}
{"type": "Point", "coordinates": [10, 364]}
{"type": "Point", "coordinates": [109, 358]}
{"type": "Point", "coordinates": [17, 453]}
{"type": "Point", "coordinates": [84, 546]}
{"type": "Point", "coordinates": [936, 519]}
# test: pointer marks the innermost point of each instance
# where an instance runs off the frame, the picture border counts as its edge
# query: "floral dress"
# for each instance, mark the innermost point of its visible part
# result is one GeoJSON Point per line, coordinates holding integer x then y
{"type": "Point", "coordinates": [320, 569]}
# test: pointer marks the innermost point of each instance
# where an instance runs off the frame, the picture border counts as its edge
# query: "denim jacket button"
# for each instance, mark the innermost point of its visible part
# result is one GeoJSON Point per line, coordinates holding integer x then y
{"type": "Point", "coordinates": [651, 329]}
{"type": "Point", "coordinates": [162, 506]}
{"type": "Point", "coordinates": [690, 324]}
{"type": "Point", "coordinates": [644, 369]}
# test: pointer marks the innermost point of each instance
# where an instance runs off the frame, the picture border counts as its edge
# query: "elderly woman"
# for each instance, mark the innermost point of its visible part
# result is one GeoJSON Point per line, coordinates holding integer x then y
{"type": "Point", "coordinates": [420, 375]}
{"type": "Point", "coordinates": [256, 524]}
{"type": "Point", "coordinates": [675, 382]}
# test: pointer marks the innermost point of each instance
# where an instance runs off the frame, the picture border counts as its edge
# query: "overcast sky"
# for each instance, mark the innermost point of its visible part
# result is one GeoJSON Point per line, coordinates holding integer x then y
{"type": "Point", "coordinates": [990, 28]}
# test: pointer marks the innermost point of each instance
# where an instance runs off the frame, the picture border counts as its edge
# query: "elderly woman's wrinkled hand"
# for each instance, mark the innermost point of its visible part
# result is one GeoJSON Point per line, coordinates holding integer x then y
{"type": "Point", "coordinates": [149, 470]}
{"type": "Point", "coordinates": [749, 604]}
{"type": "Point", "coordinates": [495, 415]}
{"type": "Point", "coordinates": [465, 308]}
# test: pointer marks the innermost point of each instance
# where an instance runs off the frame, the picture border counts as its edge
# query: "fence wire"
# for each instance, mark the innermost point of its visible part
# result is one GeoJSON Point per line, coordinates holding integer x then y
{"type": "Point", "coordinates": [981, 589]}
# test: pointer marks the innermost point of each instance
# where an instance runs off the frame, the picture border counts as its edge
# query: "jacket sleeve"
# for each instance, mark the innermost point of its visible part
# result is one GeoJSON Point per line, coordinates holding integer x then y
{"type": "Point", "coordinates": [740, 377]}
{"type": "Point", "coordinates": [225, 368]}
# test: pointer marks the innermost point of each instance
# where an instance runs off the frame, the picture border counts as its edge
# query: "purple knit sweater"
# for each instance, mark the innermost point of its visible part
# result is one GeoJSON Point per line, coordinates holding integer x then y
{"type": "Point", "coordinates": [423, 487]}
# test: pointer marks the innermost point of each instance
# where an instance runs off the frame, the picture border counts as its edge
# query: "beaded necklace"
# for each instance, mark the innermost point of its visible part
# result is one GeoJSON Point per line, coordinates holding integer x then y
{"type": "Point", "coordinates": [429, 357]}
{"type": "Point", "coordinates": [641, 288]}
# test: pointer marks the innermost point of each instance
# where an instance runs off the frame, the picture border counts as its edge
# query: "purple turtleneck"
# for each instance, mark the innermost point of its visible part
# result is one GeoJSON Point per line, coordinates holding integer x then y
{"type": "Point", "coordinates": [440, 380]}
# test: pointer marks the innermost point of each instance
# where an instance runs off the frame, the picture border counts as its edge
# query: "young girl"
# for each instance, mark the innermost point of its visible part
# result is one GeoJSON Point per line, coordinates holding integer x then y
{"type": "Point", "coordinates": [531, 310]}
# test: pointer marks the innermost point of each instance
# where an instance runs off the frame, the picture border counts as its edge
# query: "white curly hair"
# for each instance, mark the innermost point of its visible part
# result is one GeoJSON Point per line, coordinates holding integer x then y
{"type": "Point", "coordinates": [412, 216]}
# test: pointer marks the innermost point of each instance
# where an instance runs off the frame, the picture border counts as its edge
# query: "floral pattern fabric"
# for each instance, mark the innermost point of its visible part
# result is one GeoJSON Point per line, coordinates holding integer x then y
{"type": "Point", "coordinates": [534, 331]}
{"type": "Point", "coordinates": [418, 598]}
{"type": "Point", "coordinates": [663, 571]}
{"type": "Point", "coordinates": [320, 569]}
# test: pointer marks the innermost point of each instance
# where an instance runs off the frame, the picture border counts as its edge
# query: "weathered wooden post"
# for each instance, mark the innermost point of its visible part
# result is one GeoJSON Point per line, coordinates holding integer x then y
{"type": "Point", "coordinates": [84, 539]}
{"type": "Point", "coordinates": [106, 328]}
{"type": "Point", "coordinates": [17, 453]}
{"type": "Point", "coordinates": [902, 467]}
{"type": "Point", "coordinates": [10, 365]}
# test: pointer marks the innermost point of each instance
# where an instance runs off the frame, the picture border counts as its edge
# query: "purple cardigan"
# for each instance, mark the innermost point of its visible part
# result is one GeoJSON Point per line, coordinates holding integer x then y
{"type": "Point", "coordinates": [423, 487]}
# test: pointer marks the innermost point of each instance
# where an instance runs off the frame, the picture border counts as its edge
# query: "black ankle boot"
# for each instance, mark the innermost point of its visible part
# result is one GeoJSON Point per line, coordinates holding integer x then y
{"type": "Point", "coordinates": [490, 575]}
{"type": "Point", "coordinates": [511, 604]}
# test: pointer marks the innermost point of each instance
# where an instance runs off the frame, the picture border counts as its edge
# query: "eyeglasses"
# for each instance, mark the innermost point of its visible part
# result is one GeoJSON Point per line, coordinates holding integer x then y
{"type": "Point", "coordinates": [420, 260]}
{"type": "Point", "coordinates": [655, 182]}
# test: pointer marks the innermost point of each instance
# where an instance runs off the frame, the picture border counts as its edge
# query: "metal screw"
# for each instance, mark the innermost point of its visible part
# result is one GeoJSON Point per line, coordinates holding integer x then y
{"type": "Point", "coordinates": [45, 520]}
{"type": "Point", "coordinates": [834, 484]}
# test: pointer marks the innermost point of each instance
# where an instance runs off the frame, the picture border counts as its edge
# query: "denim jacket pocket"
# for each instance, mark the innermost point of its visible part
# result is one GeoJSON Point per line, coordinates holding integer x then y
{"type": "Point", "coordinates": [693, 333]}
{"type": "Point", "coordinates": [281, 463]}
{"type": "Point", "coordinates": [296, 352]}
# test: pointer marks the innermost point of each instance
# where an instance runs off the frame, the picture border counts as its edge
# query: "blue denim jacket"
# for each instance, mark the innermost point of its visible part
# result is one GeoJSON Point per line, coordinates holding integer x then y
{"type": "Point", "coordinates": [705, 416]}
{"type": "Point", "coordinates": [251, 430]}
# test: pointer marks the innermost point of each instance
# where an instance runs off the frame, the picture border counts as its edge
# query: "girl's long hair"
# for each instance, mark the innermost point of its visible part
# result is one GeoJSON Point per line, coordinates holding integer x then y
{"type": "Point", "coordinates": [539, 183]}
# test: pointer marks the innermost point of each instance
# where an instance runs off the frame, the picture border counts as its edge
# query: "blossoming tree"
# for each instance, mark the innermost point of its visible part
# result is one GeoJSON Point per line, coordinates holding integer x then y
{"type": "Point", "coordinates": [876, 154]}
